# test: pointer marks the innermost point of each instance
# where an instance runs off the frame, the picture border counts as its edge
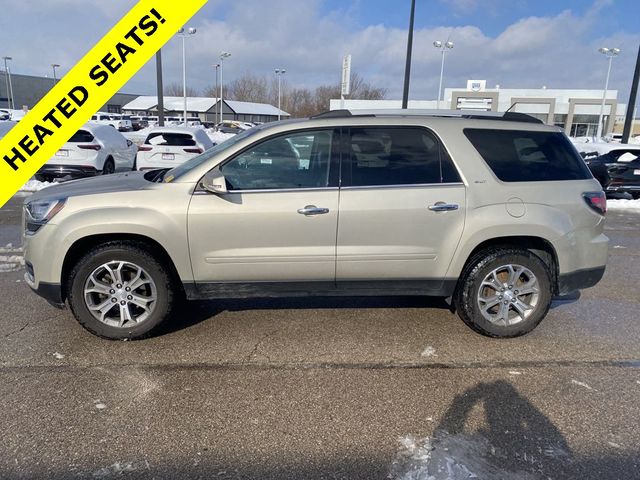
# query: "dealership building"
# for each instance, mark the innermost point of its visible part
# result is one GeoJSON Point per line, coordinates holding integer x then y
{"type": "Point", "coordinates": [29, 90]}
{"type": "Point", "coordinates": [576, 111]}
{"type": "Point", "coordinates": [207, 109]}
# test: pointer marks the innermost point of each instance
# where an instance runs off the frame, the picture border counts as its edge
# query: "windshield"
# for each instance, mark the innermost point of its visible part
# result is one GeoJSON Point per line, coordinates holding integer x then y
{"type": "Point", "coordinates": [195, 162]}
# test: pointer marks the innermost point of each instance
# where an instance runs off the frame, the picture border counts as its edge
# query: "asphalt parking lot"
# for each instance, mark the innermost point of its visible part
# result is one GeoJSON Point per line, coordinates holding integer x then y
{"type": "Point", "coordinates": [324, 388]}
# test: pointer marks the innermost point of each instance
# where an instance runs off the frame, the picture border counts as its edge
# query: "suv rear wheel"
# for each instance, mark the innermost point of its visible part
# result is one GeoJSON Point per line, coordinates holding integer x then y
{"type": "Point", "coordinates": [119, 291]}
{"type": "Point", "coordinates": [504, 292]}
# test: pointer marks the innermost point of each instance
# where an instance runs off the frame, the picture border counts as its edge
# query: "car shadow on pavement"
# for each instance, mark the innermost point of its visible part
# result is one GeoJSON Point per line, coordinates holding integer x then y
{"type": "Point", "coordinates": [191, 313]}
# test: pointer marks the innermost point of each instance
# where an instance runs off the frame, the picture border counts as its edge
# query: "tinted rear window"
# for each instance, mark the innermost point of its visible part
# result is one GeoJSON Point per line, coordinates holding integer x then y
{"type": "Point", "coordinates": [171, 139]}
{"type": "Point", "coordinates": [81, 136]}
{"type": "Point", "coordinates": [521, 156]}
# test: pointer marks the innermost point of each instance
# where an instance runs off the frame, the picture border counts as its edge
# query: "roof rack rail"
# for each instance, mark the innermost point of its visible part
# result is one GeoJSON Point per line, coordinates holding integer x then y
{"type": "Point", "coordinates": [467, 114]}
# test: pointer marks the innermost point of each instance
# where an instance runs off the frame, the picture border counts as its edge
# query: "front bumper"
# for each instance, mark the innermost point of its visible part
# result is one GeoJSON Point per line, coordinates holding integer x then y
{"type": "Point", "coordinates": [51, 292]}
{"type": "Point", "coordinates": [73, 171]}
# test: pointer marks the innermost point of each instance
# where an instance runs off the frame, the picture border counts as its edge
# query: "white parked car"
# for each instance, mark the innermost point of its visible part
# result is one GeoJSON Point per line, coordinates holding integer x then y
{"type": "Point", "coordinates": [168, 147]}
{"type": "Point", "coordinates": [93, 150]}
{"type": "Point", "coordinates": [121, 123]}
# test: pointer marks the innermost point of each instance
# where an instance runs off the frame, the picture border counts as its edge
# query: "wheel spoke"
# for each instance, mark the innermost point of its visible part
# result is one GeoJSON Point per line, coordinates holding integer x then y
{"type": "Point", "coordinates": [503, 314]}
{"type": "Point", "coordinates": [514, 274]}
{"type": "Point", "coordinates": [521, 308]}
{"type": "Point", "coordinates": [141, 302]}
{"type": "Point", "coordinates": [125, 315]}
{"type": "Point", "coordinates": [489, 302]}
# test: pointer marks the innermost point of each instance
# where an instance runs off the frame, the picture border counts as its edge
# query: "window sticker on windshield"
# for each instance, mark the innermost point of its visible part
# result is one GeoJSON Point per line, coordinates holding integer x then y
{"type": "Point", "coordinates": [266, 161]}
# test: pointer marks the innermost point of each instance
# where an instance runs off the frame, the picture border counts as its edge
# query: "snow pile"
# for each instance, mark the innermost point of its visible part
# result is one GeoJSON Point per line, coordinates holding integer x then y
{"type": "Point", "coordinates": [34, 186]}
{"type": "Point", "coordinates": [219, 137]}
{"type": "Point", "coordinates": [623, 205]}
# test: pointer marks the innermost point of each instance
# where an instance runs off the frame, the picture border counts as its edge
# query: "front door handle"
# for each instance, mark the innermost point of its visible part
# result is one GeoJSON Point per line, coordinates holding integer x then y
{"type": "Point", "coordinates": [444, 207]}
{"type": "Point", "coordinates": [311, 210]}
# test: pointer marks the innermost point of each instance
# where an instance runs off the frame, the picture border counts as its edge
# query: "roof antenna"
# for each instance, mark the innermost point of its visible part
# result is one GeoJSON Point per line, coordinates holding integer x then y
{"type": "Point", "coordinates": [513, 105]}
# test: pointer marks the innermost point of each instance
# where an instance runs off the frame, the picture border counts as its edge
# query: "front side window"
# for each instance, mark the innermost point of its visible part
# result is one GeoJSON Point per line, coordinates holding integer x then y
{"type": "Point", "coordinates": [299, 160]}
{"type": "Point", "coordinates": [525, 156]}
{"type": "Point", "coordinates": [398, 156]}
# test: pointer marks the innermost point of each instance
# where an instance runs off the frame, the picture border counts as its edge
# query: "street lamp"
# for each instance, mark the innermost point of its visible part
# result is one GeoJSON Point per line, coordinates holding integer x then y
{"type": "Point", "coordinates": [54, 66]}
{"type": "Point", "coordinates": [10, 100]}
{"type": "Point", "coordinates": [184, 34]}
{"type": "Point", "coordinates": [279, 73]}
{"type": "Point", "coordinates": [609, 53]}
{"type": "Point", "coordinates": [443, 49]}
{"type": "Point", "coordinates": [217, 67]}
{"type": "Point", "coordinates": [223, 55]}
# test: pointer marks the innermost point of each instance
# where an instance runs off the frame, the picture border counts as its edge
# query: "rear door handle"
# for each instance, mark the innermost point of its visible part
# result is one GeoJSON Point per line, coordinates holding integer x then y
{"type": "Point", "coordinates": [444, 207]}
{"type": "Point", "coordinates": [311, 210]}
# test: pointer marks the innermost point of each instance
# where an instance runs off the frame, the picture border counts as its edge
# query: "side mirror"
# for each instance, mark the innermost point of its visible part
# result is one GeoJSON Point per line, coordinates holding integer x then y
{"type": "Point", "coordinates": [214, 182]}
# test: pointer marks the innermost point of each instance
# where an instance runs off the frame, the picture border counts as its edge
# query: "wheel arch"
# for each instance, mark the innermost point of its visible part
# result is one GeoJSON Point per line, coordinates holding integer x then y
{"type": "Point", "coordinates": [83, 245]}
{"type": "Point", "coordinates": [539, 246]}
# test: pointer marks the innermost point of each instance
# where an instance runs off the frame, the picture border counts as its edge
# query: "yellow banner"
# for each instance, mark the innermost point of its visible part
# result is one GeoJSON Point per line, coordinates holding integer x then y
{"type": "Point", "coordinates": [87, 87]}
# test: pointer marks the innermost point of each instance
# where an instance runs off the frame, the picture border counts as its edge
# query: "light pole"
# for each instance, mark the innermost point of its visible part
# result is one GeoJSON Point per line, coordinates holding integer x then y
{"type": "Point", "coordinates": [223, 55]}
{"type": "Point", "coordinates": [279, 73]}
{"type": "Point", "coordinates": [609, 53]}
{"type": "Point", "coordinates": [54, 66]}
{"type": "Point", "coordinates": [443, 49]}
{"type": "Point", "coordinates": [7, 73]}
{"type": "Point", "coordinates": [184, 34]}
{"type": "Point", "coordinates": [217, 67]}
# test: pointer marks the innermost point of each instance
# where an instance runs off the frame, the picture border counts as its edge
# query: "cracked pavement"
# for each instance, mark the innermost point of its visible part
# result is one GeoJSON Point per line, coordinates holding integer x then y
{"type": "Point", "coordinates": [324, 388]}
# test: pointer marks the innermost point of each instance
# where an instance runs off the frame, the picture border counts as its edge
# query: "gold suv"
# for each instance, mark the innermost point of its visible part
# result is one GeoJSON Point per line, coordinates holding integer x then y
{"type": "Point", "coordinates": [498, 212]}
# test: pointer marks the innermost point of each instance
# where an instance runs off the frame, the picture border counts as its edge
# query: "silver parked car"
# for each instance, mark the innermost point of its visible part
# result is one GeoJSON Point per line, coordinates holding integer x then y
{"type": "Point", "coordinates": [498, 212]}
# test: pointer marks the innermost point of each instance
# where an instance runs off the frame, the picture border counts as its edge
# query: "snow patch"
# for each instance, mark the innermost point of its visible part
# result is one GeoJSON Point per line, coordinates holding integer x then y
{"type": "Point", "coordinates": [10, 263]}
{"type": "Point", "coordinates": [116, 470]}
{"type": "Point", "coordinates": [99, 405]}
{"type": "Point", "coordinates": [450, 457]}
{"type": "Point", "coordinates": [515, 372]}
{"type": "Point", "coordinates": [219, 137]}
{"type": "Point", "coordinates": [58, 356]}
{"type": "Point", "coordinates": [584, 385]}
{"type": "Point", "coordinates": [614, 445]}
{"type": "Point", "coordinates": [633, 205]}
{"type": "Point", "coordinates": [429, 352]}
{"type": "Point", "coordinates": [34, 186]}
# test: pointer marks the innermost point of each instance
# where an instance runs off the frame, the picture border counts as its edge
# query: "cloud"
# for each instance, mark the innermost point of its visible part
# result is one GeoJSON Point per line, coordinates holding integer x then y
{"type": "Point", "coordinates": [559, 51]}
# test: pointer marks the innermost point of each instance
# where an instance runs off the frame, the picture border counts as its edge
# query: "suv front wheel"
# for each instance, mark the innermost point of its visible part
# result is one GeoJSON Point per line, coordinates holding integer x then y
{"type": "Point", "coordinates": [504, 292]}
{"type": "Point", "coordinates": [119, 291]}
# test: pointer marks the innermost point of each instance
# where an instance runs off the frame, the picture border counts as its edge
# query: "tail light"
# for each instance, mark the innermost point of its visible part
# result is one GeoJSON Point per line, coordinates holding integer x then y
{"type": "Point", "coordinates": [144, 148]}
{"type": "Point", "coordinates": [90, 147]}
{"type": "Point", "coordinates": [193, 150]}
{"type": "Point", "coordinates": [597, 201]}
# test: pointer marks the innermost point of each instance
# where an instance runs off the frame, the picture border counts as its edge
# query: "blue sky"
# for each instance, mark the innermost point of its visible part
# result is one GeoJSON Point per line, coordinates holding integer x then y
{"type": "Point", "coordinates": [492, 16]}
{"type": "Point", "coordinates": [514, 43]}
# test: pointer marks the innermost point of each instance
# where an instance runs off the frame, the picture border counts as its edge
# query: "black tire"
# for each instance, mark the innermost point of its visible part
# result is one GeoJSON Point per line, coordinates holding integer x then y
{"type": "Point", "coordinates": [109, 167]}
{"type": "Point", "coordinates": [481, 265]}
{"type": "Point", "coordinates": [125, 251]}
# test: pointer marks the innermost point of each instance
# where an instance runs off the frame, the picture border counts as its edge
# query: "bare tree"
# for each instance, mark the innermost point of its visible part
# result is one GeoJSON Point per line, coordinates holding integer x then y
{"type": "Point", "coordinates": [176, 90]}
{"type": "Point", "coordinates": [298, 102]}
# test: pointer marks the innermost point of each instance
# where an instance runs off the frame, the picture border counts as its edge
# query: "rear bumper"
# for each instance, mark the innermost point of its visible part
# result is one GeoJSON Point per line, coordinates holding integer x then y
{"type": "Point", "coordinates": [579, 280]}
{"type": "Point", "coordinates": [73, 171]}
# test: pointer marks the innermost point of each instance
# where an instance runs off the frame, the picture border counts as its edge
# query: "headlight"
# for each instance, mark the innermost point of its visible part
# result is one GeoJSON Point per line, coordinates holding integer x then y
{"type": "Point", "coordinates": [39, 212]}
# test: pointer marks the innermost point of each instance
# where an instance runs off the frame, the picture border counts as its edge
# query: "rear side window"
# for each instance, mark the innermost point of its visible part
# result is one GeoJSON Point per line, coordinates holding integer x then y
{"type": "Point", "coordinates": [520, 156]}
{"type": "Point", "coordinates": [81, 136]}
{"type": "Point", "coordinates": [398, 156]}
{"type": "Point", "coordinates": [170, 139]}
